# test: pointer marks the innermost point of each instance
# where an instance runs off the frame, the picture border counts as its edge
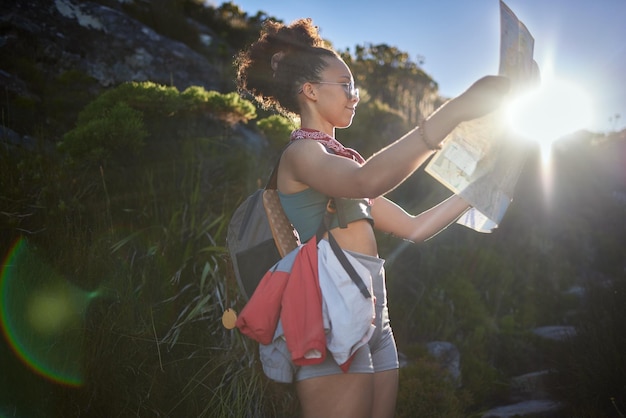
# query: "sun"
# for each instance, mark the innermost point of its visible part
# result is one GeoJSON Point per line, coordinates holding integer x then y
{"type": "Point", "coordinates": [548, 112]}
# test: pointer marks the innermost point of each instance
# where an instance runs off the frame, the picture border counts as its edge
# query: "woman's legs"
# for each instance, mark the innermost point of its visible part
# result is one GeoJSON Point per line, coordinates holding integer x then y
{"type": "Point", "coordinates": [385, 393]}
{"type": "Point", "coordinates": [349, 395]}
{"type": "Point", "coordinates": [325, 391]}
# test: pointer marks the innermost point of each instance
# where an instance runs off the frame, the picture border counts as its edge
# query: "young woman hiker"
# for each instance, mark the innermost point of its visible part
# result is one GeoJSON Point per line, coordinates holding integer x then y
{"type": "Point", "coordinates": [290, 70]}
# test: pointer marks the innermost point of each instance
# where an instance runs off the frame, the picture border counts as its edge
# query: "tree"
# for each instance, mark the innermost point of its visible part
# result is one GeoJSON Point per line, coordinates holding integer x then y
{"type": "Point", "coordinates": [390, 76]}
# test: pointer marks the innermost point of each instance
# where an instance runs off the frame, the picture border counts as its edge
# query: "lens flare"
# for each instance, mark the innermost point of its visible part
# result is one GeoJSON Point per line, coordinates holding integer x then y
{"type": "Point", "coordinates": [42, 316]}
{"type": "Point", "coordinates": [546, 114]}
{"type": "Point", "coordinates": [549, 112]}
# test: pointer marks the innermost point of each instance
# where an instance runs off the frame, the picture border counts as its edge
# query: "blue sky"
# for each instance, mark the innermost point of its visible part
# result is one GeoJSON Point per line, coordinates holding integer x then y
{"type": "Point", "coordinates": [583, 41]}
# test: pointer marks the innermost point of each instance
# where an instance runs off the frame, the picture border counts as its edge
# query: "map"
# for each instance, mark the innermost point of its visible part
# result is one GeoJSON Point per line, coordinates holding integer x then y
{"type": "Point", "coordinates": [479, 160]}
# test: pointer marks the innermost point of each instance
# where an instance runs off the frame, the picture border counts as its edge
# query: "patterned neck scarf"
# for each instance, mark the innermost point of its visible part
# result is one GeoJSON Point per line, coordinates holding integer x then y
{"type": "Point", "coordinates": [329, 142]}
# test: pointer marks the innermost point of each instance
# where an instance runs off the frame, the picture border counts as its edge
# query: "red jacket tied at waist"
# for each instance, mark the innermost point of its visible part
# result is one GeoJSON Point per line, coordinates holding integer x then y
{"type": "Point", "coordinates": [289, 291]}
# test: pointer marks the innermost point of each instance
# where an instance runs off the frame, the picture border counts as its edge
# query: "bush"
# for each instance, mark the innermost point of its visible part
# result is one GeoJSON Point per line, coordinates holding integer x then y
{"type": "Point", "coordinates": [426, 391]}
{"type": "Point", "coordinates": [139, 217]}
{"type": "Point", "coordinates": [114, 126]}
{"type": "Point", "coordinates": [276, 129]}
{"type": "Point", "coordinates": [118, 132]}
{"type": "Point", "coordinates": [375, 126]}
{"type": "Point", "coordinates": [229, 107]}
{"type": "Point", "coordinates": [590, 368]}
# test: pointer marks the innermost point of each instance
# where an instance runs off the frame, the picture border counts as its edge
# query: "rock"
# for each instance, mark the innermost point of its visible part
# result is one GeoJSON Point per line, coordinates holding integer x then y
{"type": "Point", "coordinates": [534, 408]}
{"type": "Point", "coordinates": [555, 332]}
{"type": "Point", "coordinates": [530, 386]}
{"type": "Point", "coordinates": [13, 138]}
{"type": "Point", "coordinates": [403, 359]}
{"type": "Point", "coordinates": [101, 42]}
{"type": "Point", "coordinates": [448, 356]}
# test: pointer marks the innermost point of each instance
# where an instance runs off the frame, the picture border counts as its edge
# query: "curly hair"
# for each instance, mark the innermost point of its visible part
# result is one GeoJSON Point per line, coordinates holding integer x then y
{"type": "Point", "coordinates": [275, 66]}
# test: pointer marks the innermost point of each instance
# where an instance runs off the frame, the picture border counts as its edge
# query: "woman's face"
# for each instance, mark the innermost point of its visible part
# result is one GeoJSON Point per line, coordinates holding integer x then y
{"type": "Point", "coordinates": [337, 96]}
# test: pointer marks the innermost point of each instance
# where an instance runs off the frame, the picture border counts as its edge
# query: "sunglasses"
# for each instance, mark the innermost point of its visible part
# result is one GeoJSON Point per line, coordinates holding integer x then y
{"type": "Point", "coordinates": [351, 92]}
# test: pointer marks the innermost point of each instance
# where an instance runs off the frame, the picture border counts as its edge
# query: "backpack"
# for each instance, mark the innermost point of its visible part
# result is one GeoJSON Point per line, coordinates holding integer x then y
{"type": "Point", "coordinates": [259, 235]}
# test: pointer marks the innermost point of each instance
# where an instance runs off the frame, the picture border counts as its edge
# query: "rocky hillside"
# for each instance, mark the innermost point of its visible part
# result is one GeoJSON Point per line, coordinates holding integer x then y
{"type": "Point", "coordinates": [57, 55]}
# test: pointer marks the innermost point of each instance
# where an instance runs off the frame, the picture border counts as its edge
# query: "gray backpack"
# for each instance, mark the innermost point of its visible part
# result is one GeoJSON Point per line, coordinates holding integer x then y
{"type": "Point", "coordinates": [260, 234]}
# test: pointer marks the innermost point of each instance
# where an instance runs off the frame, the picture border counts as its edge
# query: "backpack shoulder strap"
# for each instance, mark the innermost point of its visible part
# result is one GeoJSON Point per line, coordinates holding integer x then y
{"type": "Point", "coordinates": [272, 182]}
{"type": "Point", "coordinates": [324, 228]}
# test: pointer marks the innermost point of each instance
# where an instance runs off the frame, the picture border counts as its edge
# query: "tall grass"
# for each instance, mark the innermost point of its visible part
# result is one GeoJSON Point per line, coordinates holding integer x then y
{"type": "Point", "coordinates": [174, 295]}
{"type": "Point", "coordinates": [590, 367]}
{"type": "Point", "coordinates": [146, 230]}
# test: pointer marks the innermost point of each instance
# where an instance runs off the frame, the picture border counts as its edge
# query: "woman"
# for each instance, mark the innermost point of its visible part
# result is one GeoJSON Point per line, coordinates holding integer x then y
{"type": "Point", "coordinates": [289, 69]}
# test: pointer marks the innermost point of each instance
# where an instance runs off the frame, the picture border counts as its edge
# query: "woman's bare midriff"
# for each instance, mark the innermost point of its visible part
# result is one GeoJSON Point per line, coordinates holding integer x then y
{"type": "Point", "coordinates": [358, 237]}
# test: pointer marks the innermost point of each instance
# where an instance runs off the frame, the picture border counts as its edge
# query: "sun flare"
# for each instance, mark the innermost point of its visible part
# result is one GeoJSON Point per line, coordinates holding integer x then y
{"type": "Point", "coordinates": [554, 109]}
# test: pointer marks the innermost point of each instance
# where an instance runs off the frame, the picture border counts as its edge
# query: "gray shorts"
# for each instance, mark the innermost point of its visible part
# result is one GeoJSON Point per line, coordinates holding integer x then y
{"type": "Point", "coordinates": [380, 354]}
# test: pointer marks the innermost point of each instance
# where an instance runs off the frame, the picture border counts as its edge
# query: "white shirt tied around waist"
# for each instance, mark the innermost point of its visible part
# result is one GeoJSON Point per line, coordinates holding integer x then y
{"type": "Point", "coordinates": [348, 316]}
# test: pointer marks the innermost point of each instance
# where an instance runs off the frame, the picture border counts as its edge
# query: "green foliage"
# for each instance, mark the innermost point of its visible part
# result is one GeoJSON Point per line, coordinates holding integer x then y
{"type": "Point", "coordinates": [427, 391]}
{"type": "Point", "coordinates": [276, 129]}
{"type": "Point", "coordinates": [142, 213]}
{"type": "Point", "coordinates": [116, 132]}
{"type": "Point", "coordinates": [22, 175]}
{"type": "Point", "coordinates": [464, 288]}
{"type": "Point", "coordinates": [590, 368]}
{"type": "Point", "coordinates": [66, 96]}
{"type": "Point", "coordinates": [147, 97]}
{"type": "Point", "coordinates": [231, 107]}
{"type": "Point", "coordinates": [232, 23]}
{"type": "Point", "coordinates": [391, 77]}
{"type": "Point", "coordinates": [119, 120]}
{"type": "Point", "coordinates": [375, 126]}
{"type": "Point", "coordinates": [52, 104]}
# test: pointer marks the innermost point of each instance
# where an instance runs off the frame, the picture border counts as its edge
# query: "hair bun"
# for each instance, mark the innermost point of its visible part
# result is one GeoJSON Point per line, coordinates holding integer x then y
{"type": "Point", "coordinates": [273, 67]}
{"type": "Point", "coordinates": [306, 32]}
{"type": "Point", "coordinates": [299, 34]}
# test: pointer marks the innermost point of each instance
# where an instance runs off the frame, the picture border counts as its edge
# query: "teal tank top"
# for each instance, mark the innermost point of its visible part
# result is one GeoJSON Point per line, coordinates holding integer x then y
{"type": "Point", "coordinates": [306, 209]}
